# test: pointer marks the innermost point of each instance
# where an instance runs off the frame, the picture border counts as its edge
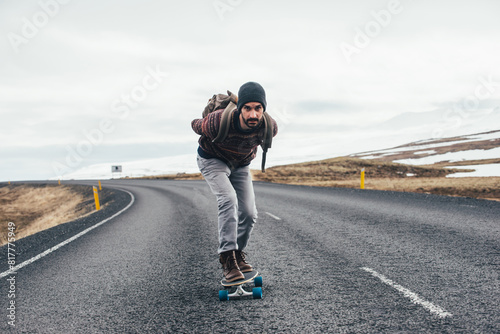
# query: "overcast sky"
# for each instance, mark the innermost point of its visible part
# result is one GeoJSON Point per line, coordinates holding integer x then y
{"type": "Point", "coordinates": [86, 82]}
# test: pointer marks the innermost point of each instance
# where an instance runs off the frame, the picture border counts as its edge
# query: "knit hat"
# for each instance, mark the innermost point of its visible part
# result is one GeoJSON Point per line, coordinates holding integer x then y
{"type": "Point", "coordinates": [251, 92]}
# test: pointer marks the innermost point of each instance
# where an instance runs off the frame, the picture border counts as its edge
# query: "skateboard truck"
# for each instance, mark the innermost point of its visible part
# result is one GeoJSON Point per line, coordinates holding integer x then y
{"type": "Point", "coordinates": [250, 277]}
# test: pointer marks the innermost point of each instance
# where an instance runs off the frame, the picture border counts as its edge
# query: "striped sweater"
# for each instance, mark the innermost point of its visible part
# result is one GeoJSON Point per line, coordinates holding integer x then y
{"type": "Point", "coordinates": [240, 146]}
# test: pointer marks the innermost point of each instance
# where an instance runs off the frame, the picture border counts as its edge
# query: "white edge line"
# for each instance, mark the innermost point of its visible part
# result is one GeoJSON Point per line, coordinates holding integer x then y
{"type": "Point", "coordinates": [13, 270]}
{"type": "Point", "coordinates": [416, 299]}
{"type": "Point", "coordinates": [273, 216]}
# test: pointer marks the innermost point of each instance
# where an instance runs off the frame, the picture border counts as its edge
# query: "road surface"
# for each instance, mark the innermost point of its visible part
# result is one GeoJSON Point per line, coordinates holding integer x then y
{"type": "Point", "coordinates": [333, 260]}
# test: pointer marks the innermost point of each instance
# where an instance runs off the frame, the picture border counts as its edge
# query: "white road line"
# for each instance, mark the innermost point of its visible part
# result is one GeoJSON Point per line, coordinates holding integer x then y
{"type": "Point", "coordinates": [416, 299]}
{"type": "Point", "coordinates": [273, 216]}
{"type": "Point", "coordinates": [67, 241]}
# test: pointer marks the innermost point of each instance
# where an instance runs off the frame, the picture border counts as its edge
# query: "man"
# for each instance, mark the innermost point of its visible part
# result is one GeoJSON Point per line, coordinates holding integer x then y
{"type": "Point", "coordinates": [225, 167]}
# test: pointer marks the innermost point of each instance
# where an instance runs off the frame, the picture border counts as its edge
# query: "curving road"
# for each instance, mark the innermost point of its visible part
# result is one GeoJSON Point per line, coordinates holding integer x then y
{"type": "Point", "coordinates": [333, 260]}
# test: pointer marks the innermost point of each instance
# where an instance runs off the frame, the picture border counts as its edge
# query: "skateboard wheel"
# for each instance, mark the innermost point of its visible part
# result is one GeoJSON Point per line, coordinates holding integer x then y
{"type": "Point", "coordinates": [257, 293]}
{"type": "Point", "coordinates": [223, 295]}
{"type": "Point", "coordinates": [258, 281]}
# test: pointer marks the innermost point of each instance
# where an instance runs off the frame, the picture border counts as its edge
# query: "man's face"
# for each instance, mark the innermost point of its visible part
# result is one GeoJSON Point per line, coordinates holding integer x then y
{"type": "Point", "coordinates": [251, 115]}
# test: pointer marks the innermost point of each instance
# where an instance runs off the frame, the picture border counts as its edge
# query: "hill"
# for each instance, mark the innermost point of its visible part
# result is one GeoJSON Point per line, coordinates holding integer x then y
{"type": "Point", "coordinates": [476, 149]}
{"type": "Point", "coordinates": [429, 166]}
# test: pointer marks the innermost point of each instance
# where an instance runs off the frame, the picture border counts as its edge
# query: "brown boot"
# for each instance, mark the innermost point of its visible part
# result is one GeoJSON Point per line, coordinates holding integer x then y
{"type": "Point", "coordinates": [231, 270]}
{"type": "Point", "coordinates": [244, 266]}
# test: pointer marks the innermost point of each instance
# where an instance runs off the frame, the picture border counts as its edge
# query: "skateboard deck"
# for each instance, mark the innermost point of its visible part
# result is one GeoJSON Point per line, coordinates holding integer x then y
{"type": "Point", "coordinates": [235, 289]}
{"type": "Point", "coordinates": [249, 276]}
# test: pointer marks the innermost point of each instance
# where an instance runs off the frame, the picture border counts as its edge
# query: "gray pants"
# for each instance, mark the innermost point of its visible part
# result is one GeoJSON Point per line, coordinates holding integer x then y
{"type": "Point", "coordinates": [236, 202]}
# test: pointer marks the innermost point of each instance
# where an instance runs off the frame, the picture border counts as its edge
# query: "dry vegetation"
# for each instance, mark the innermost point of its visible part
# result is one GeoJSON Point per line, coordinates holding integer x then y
{"type": "Point", "coordinates": [344, 168]}
{"type": "Point", "coordinates": [345, 172]}
{"type": "Point", "coordinates": [34, 208]}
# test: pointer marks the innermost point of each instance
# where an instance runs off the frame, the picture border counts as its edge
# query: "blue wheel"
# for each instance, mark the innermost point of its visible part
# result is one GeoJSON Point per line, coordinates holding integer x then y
{"type": "Point", "coordinates": [257, 293]}
{"type": "Point", "coordinates": [258, 281]}
{"type": "Point", "coordinates": [223, 295]}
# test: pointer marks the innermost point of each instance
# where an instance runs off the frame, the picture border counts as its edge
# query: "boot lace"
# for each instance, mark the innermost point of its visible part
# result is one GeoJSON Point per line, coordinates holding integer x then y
{"type": "Point", "coordinates": [240, 256]}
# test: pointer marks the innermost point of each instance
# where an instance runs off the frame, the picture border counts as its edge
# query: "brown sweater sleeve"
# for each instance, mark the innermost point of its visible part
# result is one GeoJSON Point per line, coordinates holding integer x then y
{"type": "Point", "coordinates": [208, 126]}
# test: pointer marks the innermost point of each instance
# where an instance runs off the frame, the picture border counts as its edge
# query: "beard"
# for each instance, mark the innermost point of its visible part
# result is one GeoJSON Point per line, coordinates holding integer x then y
{"type": "Point", "coordinates": [252, 123]}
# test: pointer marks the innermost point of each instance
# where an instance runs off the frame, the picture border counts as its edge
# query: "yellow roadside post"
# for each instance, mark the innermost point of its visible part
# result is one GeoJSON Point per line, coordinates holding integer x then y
{"type": "Point", "coordinates": [363, 178]}
{"type": "Point", "coordinates": [96, 198]}
{"type": "Point", "coordinates": [59, 182]}
{"type": "Point", "coordinates": [100, 188]}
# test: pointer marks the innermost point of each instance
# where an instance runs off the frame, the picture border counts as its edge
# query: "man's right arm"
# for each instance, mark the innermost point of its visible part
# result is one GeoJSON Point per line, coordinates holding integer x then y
{"type": "Point", "coordinates": [208, 126]}
{"type": "Point", "coordinates": [197, 125]}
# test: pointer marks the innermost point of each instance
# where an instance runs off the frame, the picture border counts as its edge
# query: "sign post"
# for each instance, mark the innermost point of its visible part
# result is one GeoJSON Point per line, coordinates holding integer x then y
{"type": "Point", "coordinates": [115, 169]}
{"type": "Point", "coordinates": [362, 179]}
{"type": "Point", "coordinates": [96, 199]}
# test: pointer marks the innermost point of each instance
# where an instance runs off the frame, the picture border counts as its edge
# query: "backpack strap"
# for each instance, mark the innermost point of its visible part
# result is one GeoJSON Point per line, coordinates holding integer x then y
{"type": "Point", "coordinates": [268, 132]}
{"type": "Point", "coordinates": [228, 102]}
{"type": "Point", "coordinates": [267, 140]}
{"type": "Point", "coordinates": [225, 123]}
{"type": "Point", "coordinates": [263, 166]}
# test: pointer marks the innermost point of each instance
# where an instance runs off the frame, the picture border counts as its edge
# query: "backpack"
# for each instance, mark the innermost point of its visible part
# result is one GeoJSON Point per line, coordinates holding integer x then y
{"type": "Point", "coordinates": [229, 104]}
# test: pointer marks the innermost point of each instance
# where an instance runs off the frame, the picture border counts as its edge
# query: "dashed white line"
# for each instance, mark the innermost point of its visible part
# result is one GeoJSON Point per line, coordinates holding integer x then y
{"type": "Point", "coordinates": [416, 299]}
{"type": "Point", "coordinates": [67, 241]}
{"type": "Point", "coordinates": [273, 216]}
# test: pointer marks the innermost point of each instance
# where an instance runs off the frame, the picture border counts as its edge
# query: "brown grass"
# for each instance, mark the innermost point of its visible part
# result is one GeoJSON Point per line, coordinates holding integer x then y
{"type": "Point", "coordinates": [476, 187]}
{"type": "Point", "coordinates": [345, 168]}
{"type": "Point", "coordinates": [379, 175]}
{"type": "Point", "coordinates": [34, 208]}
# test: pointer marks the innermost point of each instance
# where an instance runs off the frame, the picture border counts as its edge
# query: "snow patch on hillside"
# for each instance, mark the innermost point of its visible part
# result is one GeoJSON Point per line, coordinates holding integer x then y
{"type": "Point", "coordinates": [453, 157]}
{"type": "Point", "coordinates": [480, 171]}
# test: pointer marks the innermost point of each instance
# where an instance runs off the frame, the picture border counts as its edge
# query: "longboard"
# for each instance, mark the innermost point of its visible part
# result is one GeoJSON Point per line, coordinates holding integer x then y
{"type": "Point", "coordinates": [250, 277]}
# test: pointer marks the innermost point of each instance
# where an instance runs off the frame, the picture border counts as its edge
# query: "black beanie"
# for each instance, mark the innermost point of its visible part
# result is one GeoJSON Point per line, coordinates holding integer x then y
{"type": "Point", "coordinates": [251, 92]}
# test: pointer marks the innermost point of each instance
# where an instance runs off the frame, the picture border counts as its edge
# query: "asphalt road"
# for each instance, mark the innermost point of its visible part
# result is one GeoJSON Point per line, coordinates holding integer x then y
{"type": "Point", "coordinates": [332, 260]}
